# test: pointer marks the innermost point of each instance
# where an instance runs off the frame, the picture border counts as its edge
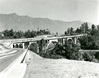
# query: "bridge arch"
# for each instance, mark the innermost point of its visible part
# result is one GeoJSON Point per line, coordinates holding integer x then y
{"type": "Point", "coordinates": [70, 40]}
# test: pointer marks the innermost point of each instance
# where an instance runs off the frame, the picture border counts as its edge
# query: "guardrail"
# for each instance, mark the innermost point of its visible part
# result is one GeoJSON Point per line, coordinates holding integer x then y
{"type": "Point", "coordinates": [17, 69]}
{"type": "Point", "coordinates": [23, 60]}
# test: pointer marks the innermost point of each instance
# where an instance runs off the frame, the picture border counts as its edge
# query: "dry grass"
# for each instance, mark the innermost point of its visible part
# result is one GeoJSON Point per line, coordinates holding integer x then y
{"type": "Point", "coordinates": [61, 68]}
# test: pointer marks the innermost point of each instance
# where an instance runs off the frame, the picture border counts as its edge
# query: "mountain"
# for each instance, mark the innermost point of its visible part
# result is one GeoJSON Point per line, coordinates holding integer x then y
{"type": "Point", "coordinates": [17, 22]}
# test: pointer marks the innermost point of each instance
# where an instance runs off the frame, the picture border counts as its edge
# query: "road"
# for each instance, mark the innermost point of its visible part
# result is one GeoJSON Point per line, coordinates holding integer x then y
{"type": "Point", "coordinates": [6, 61]}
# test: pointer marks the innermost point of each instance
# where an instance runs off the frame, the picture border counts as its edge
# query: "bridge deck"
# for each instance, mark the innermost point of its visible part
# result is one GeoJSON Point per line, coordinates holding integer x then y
{"type": "Point", "coordinates": [38, 39]}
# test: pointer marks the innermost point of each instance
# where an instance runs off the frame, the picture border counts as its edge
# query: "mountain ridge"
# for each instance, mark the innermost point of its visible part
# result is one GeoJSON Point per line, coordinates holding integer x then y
{"type": "Point", "coordinates": [19, 22]}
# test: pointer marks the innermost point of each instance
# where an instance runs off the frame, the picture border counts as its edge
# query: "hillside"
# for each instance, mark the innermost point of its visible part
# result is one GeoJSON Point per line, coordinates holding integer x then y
{"type": "Point", "coordinates": [17, 22]}
{"type": "Point", "coordinates": [61, 68]}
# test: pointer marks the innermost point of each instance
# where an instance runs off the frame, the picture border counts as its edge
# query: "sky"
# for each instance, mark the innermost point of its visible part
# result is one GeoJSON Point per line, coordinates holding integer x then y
{"type": "Point", "coordinates": [66, 10]}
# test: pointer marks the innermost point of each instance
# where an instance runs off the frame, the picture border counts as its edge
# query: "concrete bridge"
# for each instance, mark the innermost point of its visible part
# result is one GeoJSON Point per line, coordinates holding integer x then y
{"type": "Point", "coordinates": [26, 42]}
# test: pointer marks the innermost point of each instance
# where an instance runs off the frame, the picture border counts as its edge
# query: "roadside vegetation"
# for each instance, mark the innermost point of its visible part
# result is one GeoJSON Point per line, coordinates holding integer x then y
{"type": "Point", "coordinates": [68, 50]}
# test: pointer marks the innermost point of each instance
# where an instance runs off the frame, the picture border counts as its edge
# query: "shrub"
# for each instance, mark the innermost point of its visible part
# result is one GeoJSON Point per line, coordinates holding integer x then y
{"type": "Point", "coordinates": [97, 55]}
{"type": "Point", "coordinates": [33, 47]}
{"type": "Point", "coordinates": [89, 42]}
{"type": "Point", "coordinates": [88, 56]}
{"type": "Point", "coordinates": [56, 57]}
{"type": "Point", "coordinates": [74, 53]}
{"type": "Point", "coordinates": [95, 60]}
{"type": "Point", "coordinates": [58, 49]}
{"type": "Point", "coordinates": [51, 54]}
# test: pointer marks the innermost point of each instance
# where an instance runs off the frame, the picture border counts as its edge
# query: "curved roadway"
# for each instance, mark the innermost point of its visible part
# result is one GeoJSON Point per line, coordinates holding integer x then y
{"type": "Point", "coordinates": [9, 59]}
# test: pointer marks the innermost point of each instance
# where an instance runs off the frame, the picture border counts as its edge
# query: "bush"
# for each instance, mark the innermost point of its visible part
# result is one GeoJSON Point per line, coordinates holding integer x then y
{"type": "Point", "coordinates": [89, 42]}
{"type": "Point", "coordinates": [33, 47]}
{"type": "Point", "coordinates": [51, 55]}
{"type": "Point", "coordinates": [87, 56]}
{"type": "Point", "coordinates": [73, 53]}
{"type": "Point", "coordinates": [91, 56]}
{"type": "Point", "coordinates": [95, 60]}
{"type": "Point", "coordinates": [97, 55]}
{"type": "Point", "coordinates": [69, 51]}
{"type": "Point", "coordinates": [56, 57]}
{"type": "Point", "coordinates": [58, 49]}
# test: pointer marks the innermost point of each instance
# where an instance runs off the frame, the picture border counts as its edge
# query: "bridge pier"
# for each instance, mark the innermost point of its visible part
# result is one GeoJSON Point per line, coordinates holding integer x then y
{"type": "Point", "coordinates": [23, 45]}
{"type": "Point", "coordinates": [30, 44]}
{"type": "Point", "coordinates": [38, 49]}
{"type": "Point", "coordinates": [46, 44]}
{"type": "Point", "coordinates": [60, 41]}
{"type": "Point", "coordinates": [14, 45]}
{"type": "Point", "coordinates": [64, 40]}
{"type": "Point", "coordinates": [75, 40]}
{"type": "Point", "coordinates": [11, 46]}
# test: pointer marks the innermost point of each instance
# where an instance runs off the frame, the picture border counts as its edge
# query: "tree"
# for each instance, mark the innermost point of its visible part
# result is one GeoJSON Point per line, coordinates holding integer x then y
{"type": "Point", "coordinates": [78, 30]}
{"type": "Point", "coordinates": [84, 28]}
{"type": "Point", "coordinates": [11, 33]}
{"type": "Point", "coordinates": [71, 31]}
{"type": "Point", "coordinates": [98, 27]}
{"type": "Point", "coordinates": [84, 42]}
{"type": "Point", "coordinates": [68, 31]}
{"type": "Point", "coordinates": [47, 31]}
{"type": "Point", "coordinates": [88, 42]}
{"type": "Point", "coordinates": [65, 33]}
{"type": "Point", "coordinates": [41, 44]}
{"type": "Point", "coordinates": [8, 33]}
{"type": "Point", "coordinates": [33, 33]}
{"type": "Point", "coordinates": [71, 51]}
{"type": "Point", "coordinates": [27, 34]}
{"type": "Point", "coordinates": [43, 32]}
{"type": "Point", "coordinates": [93, 27]}
{"type": "Point", "coordinates": [18, 34]}
{"type": "Point", "coordinates": [93, 31]}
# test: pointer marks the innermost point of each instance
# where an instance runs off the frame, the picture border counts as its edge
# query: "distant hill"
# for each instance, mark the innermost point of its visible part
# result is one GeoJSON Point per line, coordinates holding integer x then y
{"type": "Point", "coordinates": [16, 22]}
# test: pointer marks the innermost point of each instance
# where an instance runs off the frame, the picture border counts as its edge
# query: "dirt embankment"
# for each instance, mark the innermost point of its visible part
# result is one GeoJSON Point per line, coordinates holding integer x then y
{"type": "Point", "coordinates": [61, 68]}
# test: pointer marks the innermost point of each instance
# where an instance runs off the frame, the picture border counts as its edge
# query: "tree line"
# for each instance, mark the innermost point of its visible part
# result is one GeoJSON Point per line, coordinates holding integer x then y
{"type": "Point", "coordinates": [84, 28]}
{"type": "Point", "coordinates": [20, 34]}
{"type": "Point", "coordinates": [91, 41]}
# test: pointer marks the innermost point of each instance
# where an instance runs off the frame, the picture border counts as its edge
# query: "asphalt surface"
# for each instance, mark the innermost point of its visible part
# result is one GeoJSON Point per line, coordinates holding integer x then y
{"type": "Point", "coordinates": [6, 61]}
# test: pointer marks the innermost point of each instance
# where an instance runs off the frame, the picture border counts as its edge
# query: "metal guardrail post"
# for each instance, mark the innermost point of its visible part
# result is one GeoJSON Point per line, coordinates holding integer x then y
{"type": "Point", "coordinates": [23, 60]}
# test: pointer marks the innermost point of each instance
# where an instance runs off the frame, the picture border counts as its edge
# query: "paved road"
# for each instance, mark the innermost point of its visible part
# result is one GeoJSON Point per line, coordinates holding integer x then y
{"type": "Point", "coordinates": [6, 61]}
